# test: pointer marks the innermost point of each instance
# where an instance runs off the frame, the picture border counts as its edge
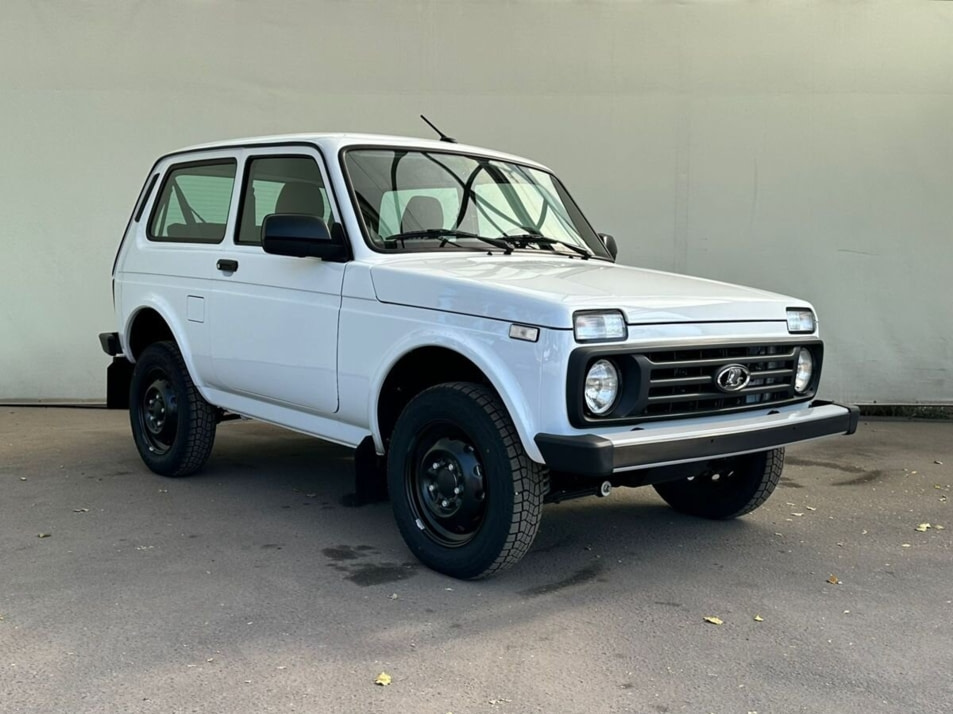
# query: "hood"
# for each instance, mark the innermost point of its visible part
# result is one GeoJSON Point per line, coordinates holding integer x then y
{"type": "Point", "coordinates": [545, 291]}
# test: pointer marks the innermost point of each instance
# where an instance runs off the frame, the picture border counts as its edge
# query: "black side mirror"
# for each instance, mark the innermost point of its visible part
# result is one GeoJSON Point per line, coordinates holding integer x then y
{"type": "Point", "coordinates": [610, 244]}
{"type": "Point", "coordinates": [300, 236]}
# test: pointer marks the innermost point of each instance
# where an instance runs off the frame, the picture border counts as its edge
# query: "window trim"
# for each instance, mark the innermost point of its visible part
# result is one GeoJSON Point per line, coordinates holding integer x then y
{"type": "Point", "coordinates": [221, 161]}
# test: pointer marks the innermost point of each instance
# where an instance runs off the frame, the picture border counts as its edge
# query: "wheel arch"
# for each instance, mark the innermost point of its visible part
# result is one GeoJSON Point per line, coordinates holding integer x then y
{"type": "Point", "coordinates": [155, 322]}
{"type": "Point", "coordinates": [414, 368]}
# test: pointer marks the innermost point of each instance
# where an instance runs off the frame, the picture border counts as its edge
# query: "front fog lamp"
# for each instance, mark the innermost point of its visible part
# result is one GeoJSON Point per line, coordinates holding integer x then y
{"type": "Point", "coordinates": [599, 326]}
{"type": "Point", "coordinates": [805, 370]}
{"type": "Point", "coordinates": [602, 387]}
{"type": "Point", "coordinates": [801, 320]}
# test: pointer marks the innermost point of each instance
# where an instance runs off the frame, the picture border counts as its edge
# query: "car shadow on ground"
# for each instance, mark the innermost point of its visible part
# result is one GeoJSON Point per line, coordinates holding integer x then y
{"type": "Point", "coordinates": [579, 541]}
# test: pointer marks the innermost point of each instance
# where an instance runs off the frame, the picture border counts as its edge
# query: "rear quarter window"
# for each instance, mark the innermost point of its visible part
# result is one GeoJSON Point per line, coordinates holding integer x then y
{"type": "Point", "coordinates": [194, 202]}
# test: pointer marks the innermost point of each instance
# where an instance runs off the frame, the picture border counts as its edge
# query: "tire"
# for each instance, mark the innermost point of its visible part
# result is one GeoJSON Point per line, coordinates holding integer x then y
{"type": "Point", "coordinates": [173, 426]}
{"type": "Point", "coordinates": [459, 436]}
{"type": "Point", "coordinates": [739, 486]}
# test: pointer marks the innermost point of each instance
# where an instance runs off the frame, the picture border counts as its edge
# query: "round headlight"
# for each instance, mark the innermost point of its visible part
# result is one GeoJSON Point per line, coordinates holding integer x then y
{"type": "Point", "coordinates": [805, 370]}
{"type": "Point", "coordinates": [602, 386]}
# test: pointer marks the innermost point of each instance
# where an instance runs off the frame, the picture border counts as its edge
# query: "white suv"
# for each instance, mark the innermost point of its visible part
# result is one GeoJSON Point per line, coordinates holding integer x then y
{"type": "Point", "coordinates": [448, 311]}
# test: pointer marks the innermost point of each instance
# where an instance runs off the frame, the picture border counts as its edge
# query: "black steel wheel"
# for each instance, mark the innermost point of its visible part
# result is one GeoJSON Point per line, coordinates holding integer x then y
{"type": "Point", "coordinates": [466, 497]}
{"type": "Point", "coordinates": [731, 488]}
{"type": "Point", "coordinates": [173, 426]}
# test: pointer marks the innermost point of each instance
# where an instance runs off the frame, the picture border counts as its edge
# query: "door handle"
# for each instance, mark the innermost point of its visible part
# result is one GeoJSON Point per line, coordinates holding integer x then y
{"type": "Point", "coordinates": [227, 266]}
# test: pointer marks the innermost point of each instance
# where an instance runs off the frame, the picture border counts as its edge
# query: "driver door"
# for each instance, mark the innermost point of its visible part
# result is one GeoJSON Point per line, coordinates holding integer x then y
{"type": "Point", "coordinates": [273, 319]}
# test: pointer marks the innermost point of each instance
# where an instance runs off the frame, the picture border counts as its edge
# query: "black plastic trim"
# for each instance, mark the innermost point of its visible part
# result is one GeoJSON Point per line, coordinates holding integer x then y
{"type": "Point", "coordinates": [591, 455]}
{"type": "Point", "coordinates": [633, 365]}
{"type": "Point", "coordinates": [109, 341]}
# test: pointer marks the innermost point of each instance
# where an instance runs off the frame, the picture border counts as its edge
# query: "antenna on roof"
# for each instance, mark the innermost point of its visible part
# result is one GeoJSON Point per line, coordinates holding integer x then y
{"type": "Point", "coordinates": [443, 137]}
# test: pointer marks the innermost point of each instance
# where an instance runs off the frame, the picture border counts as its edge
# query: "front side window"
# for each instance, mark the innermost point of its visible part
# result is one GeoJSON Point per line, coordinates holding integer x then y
{"type": "Point", "coordinates": [280, 184]}
{"type": "Point", "coordinates": [194, 202]}
{"type": "Point", "coordinates": [428, 200]}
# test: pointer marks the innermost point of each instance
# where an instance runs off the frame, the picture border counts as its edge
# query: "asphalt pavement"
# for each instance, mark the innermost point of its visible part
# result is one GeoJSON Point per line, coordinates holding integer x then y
{"type": "Point", "coordinates": [253, 587]}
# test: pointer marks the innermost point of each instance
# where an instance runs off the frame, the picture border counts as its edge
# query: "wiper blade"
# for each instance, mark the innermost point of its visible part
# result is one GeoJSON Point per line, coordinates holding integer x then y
{"type": "Point", "coordinates": [447, 233]}
{"type": "Point", "coordinates": [522, 239]}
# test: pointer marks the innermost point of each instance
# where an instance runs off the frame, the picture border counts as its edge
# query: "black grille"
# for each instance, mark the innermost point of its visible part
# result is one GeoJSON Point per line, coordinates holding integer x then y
{"type": "Point", "coordinates": [676, 383]}
{"type": "Point", "coordinates": [682, 382]}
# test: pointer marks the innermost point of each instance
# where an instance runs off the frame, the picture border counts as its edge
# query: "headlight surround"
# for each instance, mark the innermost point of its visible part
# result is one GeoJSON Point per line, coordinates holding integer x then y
{"type": "Point", "coordinates": [801, 320]}
{"type": "Point", "coordinates": [805, 370]}
{"type": "Point", "coordinates": [602, 326]}
{"type": "Point", "coordinates": [602, 388]}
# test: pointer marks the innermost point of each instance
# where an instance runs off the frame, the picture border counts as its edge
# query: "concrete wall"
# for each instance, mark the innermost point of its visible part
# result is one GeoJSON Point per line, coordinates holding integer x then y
{"type": "Point", "coordinates": [805, 147]}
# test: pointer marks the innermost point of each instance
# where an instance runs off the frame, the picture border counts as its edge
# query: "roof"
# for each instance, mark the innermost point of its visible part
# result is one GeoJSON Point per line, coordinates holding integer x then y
{"type": "Point", "coordinates": [333, 142]}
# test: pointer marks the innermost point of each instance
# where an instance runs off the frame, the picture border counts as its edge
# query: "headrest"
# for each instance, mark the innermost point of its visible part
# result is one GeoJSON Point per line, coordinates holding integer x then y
{"type": "Point", "coordinates": [421, 213]}
{"type": "Point", "coordinates": [300, 197]}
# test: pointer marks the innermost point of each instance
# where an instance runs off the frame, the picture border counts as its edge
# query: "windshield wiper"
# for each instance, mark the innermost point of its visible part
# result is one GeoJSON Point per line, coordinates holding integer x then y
{"type": "Point", "coordinates": [522, 239]}
{"type": "Point", "coordinates": [446, 233]}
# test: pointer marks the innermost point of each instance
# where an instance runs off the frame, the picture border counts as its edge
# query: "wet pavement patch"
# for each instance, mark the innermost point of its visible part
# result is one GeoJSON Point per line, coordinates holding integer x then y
{"type": "Point", "coordinates": [344, 559]}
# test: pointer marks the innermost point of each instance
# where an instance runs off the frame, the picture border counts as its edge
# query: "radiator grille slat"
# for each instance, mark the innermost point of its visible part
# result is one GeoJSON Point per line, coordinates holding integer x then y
{"type": "Point", "coordinates": [681, 382]}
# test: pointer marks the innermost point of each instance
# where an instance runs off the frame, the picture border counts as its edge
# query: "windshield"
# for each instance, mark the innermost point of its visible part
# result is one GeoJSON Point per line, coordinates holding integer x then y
{"type": "Point", "coordinates": [434, 200]}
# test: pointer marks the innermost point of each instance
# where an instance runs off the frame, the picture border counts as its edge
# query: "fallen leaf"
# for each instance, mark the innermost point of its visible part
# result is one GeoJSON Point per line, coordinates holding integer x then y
{"type": "Point", "coordinates": [43, 535]}
{"type": "Point", "coordinates": [833, 580]}
{"type": "Point", "coordinates": [383, 679]}
{"type": "Point", "coordinates": [923, 527]}
{"type": "Point", "coordinates": [714, 620]}
{"type": "Point", "coordinates": [758, 618]}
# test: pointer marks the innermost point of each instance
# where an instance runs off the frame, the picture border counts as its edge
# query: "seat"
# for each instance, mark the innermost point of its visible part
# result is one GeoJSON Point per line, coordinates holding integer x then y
{"type": "Point", "coordinates": [421, 213]}
{"type": "Point", "coordinates": [300, 197]}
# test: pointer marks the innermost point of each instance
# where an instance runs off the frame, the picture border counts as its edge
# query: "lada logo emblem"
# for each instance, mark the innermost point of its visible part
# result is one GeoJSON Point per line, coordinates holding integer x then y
{"type": "Point", "coordinates": [732, 378]}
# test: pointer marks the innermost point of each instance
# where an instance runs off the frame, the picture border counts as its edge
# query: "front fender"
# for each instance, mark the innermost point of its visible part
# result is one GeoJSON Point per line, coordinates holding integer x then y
{"type": "Point", "coordinates": [510, 366]}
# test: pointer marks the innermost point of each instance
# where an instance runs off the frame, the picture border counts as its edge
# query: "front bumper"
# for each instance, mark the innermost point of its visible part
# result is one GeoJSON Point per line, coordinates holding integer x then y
{"type": "Point", "coordinates": [601, 456]}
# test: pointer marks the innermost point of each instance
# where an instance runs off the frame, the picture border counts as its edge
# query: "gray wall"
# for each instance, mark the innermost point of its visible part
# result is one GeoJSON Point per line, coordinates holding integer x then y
{"type": "Point", "coordinates": [805, 147]}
